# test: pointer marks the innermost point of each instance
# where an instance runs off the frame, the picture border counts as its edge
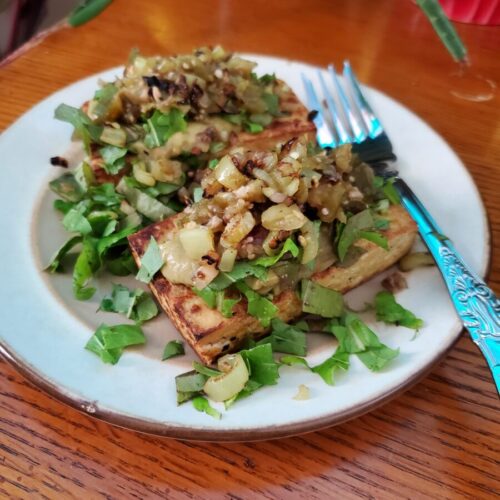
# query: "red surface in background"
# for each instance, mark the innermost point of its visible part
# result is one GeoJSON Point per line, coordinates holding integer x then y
{"type": "Point", "coordinates": [473, 11]}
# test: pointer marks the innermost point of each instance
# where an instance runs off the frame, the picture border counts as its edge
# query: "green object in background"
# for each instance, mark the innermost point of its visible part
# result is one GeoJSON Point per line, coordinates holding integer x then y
{"type": "Point", "coordinates": [444, 29]}
{"type": "Point", "coordinates": [86, 11]}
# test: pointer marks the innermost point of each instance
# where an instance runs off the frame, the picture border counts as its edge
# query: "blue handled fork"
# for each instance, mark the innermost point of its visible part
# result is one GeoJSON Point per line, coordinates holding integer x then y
{"type": "Point", "coordinates": [355, 122]}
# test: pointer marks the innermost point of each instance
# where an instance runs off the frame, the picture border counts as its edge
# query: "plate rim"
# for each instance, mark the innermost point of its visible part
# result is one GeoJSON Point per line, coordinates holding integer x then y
{"type": "Point", "coordinates": [277, 431]}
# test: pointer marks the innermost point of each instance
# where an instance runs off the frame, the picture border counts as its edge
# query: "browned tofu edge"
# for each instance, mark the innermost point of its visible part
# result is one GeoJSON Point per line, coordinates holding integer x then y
{"type": "Point", "coordinates": [210, 334]}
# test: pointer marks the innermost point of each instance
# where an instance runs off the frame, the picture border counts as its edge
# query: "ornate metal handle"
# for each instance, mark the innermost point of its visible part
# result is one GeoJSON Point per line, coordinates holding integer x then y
{"type": "Point", "coordinates": [475, 302]}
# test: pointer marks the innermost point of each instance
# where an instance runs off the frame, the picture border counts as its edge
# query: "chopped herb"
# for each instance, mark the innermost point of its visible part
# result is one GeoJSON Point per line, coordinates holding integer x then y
{"type": "Point", "coordinates": [172, 349]}
{"type": "Point", "coordinates": [208, 295]}
{"type": "Point", "coordinates": [258, 306]}
{"type": "Point", "coordinates": [161, 126]}
{"type": "Point", "coordinates": [294, 360]}
{"type": "Point", "coordinates": [225, 305]}
{"type": "Point", "coordinates": [272, 102]}
{"type": "Point", "coordinates": [197, 194]}
{"type": "Point", "coordinates": [67, 187]}
{"type": "Point", "coordinates": [355, 337]}
{"type": "Point", "coordinates": [261, 365]}
{"type": "Point", "coordinates": [105, 243]}
{"type": "Point", "coordinates": [137, 304]}
{"type": "Point", "coordinates": [55, 262]}
{"type": "Point", "coordinates": [123, 265]}
{"type": "Point", "coordinates": [391, 192]}
{"type": "Point", "coordinates": [201, 404]}
{"type": "Point", "coordinates": [240, 271]}
{"type": "Point", "coordinates": [108, 342]}
{"type": "Point", "coordinates": [75, 222]}
{"type": "Point", "coordinates": [286, 338]}
{"type": "Point", "coordinates": [289, 246]}
{"type": "Point", "coordinates": [86, 264]}
{"type": "Point", "coordinates": [213, 163]}
{"type": "Point", "coordinates": [151, 262]}
{"type": "Point", "coordinates": [205, 370]}
{"type": "Point", "coordinates": [326, 370]}
{"type": "Point", "coordinates": [253, 128]}
{"type": "Point", "coordinates": [319, 300]}
{"type": "Point", "coordinates": [114, 158]}
{"type": "Point", "coordinates": [389, 311]}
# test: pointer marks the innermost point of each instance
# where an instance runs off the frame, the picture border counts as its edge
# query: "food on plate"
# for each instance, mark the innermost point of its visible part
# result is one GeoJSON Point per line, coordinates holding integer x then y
{"type": "Point", "coordinates": [273, 230]}
{"type": "Point", "coordinates": [205, 181]}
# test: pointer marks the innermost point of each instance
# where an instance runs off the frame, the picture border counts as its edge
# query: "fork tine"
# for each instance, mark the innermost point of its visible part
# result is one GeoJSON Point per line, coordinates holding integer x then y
{"type": "Point", "coordinates": [324, 135]}
{"type": "Point", "coordinates": [357, 129]}
{"type": "Point", "coordinates": [342, 133]}
{"type": "Point", "coordinates": [371, 121]}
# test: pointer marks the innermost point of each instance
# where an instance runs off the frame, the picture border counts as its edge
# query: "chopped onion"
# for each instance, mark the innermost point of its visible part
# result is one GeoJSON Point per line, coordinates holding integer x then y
{"type": "Point", "coordinates": [282, 218]}
{"type": "Point", "coordinates": [227, 259]}
{"type": "Point", "coordinates": [303, 393]}
{"type": "Point", "coordinates": [417, 259]}
{"type": "Point", "coordinates": [227, 385]}
{"type": "Point", "coordinates": [142, 176]}
{"type": "Point", "coordinates": [197, 241]}
{"type": "Point", "coordinates": [228, 175]}
{"type": "Point", "coordinates": [114, 136]}
{"type": "Point", "coordinates": [237, 228]}
{"type": "Point", "coordinates": [310, 232]}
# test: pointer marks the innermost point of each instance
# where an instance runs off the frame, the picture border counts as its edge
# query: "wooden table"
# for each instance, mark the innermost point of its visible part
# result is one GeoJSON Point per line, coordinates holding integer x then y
{"type": "Point", "coordinates": [440, 439]}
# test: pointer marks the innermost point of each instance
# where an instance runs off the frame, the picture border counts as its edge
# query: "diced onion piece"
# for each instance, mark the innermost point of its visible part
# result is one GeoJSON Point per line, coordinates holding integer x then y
{"type": "Point", "coordinates": [228, 175]}
{"type": "Point", "coordinates": [196, 241]}
{"type": "Point", "coordinates": [227, 385]}
{"type": "Point", "coordinates": [292, 187]}
{"type": "Point", "coordinates": [114, 136]}
{"type": "Point", "coordinates": [227, 259]}
{"type": "Point", "coordinates": [282, 218]}
{"type": "Point", "coordinates": [310, 232]}
{"type": "Point", "coordinates": [264, 177]}
{"type": "Point", "coordinates": [142, 176]}
{"type": "Point", "coordinates": [237, 228]}
{"type": "Point", "coordinates": [303, 393]}
{"type": "Point", "coordinates": [225, 363]}
{"type": "Point", "coordinates": [178, 268]}
{"type": "Point", "coordinates": [204, 275]}
{"type": "Point", "coordinates": [414, 260]}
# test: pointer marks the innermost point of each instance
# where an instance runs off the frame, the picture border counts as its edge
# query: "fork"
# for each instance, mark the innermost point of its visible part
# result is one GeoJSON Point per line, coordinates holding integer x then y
{"type": "Point", "coordinates": [355, 122]}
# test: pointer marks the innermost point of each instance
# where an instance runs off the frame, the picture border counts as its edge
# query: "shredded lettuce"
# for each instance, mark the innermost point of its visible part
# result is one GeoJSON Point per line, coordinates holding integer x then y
{"type": "Point", "coordinates": [86, 264]}
{"type": "Point", "coordinates": [114, 158]}
{"type": "Point", "coordinates": [286, 338]}
{"type": "Point", "coordinates": [288, 246]}
{"type": "Point", "coordinates": [258, 306]}
{"type": "Point", "coordinates": [161, 126]}
{"type": "Point", "coordinates": [55, 264]}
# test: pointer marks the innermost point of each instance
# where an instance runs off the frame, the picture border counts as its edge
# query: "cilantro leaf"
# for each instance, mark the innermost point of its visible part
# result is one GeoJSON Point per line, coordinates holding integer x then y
{"type": "Point", "coordinates": [172, 349]}
{"type": "Point", "coordinates": [75, 222]}
{"type": "Point", "coordinates": [258, 306]}
{"type": "Point", "coordinates": [151, 262]}
{"type": "Point", "coordinates": [317, 299]}
{"type": "Point", "coordinates": [208, 295]}
{"type": "Point", "coordinates": [105, 243]}
{"type": "Point", "coordinates": [272, 103]}
{"type": "Point", "coordinates": [205, 370]}
{"type": "Point", "coordinates": [240, 271]}
{"type": "Point", "coordinates": [289, 246]}
{"type": "Point", "coordinates": [67, 187]}
{"type": "Point", "coordinates": [201, 404]}
{"type": "Point", "coordinates": [197, 194]}
{"type": "Point", "coordinates": [389, 311]}
{"type": "Point", "coordinates": [225, 305]}
{"type": "Point", "coordinates": [161, 126]}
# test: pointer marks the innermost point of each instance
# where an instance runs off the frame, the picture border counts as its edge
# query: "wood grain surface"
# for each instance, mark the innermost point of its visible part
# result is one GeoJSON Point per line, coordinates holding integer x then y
{"type": "Point", "coordinates": [438, 440]}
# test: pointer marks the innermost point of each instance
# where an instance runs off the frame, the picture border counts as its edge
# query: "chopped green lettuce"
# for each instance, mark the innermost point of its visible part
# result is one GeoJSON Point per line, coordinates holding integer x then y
{"type": "Point", "coordinates": [337, 361]}
{"type": "Point", "coordinates": [258, 305]}
{"type": "Point", "coordinates": [55, 264]}
{"type": "Point", "coordinates": [161, 126]}
{"type": "Point", "coordinates": [261, 365]}
{"type": "Point", "coordinates": [286, 338]}
{"type": "Point", "coordinates": [201, 404]}
{"type": "Point", "coordinates": [114, 158]}
{"type": "Point", "coordinates": [137, 304]}
{"type": "Point", "coordinates": [86, 264]}
{"type": "Point", "coordinates": [289, 246]}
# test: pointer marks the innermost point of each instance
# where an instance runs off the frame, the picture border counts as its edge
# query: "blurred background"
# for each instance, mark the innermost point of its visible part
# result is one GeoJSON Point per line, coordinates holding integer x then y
{"type": "Point", "coordinates": [22, 19]}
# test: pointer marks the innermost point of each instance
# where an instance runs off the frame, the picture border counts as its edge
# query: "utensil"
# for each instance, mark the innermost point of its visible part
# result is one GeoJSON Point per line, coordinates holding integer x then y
{"type": "Point", "coordinates": [355, 122]}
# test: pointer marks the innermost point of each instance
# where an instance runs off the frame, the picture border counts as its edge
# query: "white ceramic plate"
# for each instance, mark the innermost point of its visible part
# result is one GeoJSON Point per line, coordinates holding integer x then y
{"type": "Point", "coordinates": [43, 329]}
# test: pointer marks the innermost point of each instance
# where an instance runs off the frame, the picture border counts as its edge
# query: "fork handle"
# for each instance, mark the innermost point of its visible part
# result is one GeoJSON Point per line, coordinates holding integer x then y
{"type": "Point", "coordinates": [475, 302]}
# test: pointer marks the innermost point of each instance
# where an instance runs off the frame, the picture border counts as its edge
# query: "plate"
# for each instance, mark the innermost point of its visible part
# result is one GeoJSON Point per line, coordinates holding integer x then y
{"type": "Point", "coordinates": [44, 330]}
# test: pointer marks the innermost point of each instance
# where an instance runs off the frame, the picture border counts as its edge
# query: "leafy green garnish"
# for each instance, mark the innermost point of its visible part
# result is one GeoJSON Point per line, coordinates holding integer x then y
{"type": "Point", "coordinates": [137, 304]}
{"type": "Point", "coordinates": [104, 244]}
{"type": "Point", "coordinates": [358, 227]}
{"type": "Point", "coordinates": [161, 126]}
{"type": "Point", "coordinates": [213, 163]}
{"type": "Point", "coordinates": [289, 246]}
{"type": "Point", "coordinates": [201, 404]}
{"type": "Point", "coordinates": [240, 271]}
{"type": "Point", "coordinates": [205, 370]}
{"type": "Point", "coordinates": [225, 305]}
{"type": "Point", "coordinates": [286, 338]}
{"type": "Point", "coordinates": [208, 295]}
{"type": "Point", "coordinates": [391, 192]}
{"type": "Point", "coordinates": [272, 102]}
{"type": "Point", "coordinates": [317, 299]}
{"type": "Point", "coordinates": [253, 128]}
{"type": "Point", "coordinates": [55, 262]}
{"type": "Point", "coordinates": [114, 158]}
{"type": "Point", "coordinates": [86, 264]}
{"type": "Point", "coordinates": [326, 370]}
{"type": "Point", "coordinates": [355, 337]}
{"type": "Point", "coordinates": [261, 365]}
{"type": "Point", "coordinates": [67, 187]}
{"type": "Point", "coordinates": [197, 194]}
{"type": "Point", "coordinates": [389, 311]}
{"type": "Point", "coordinates": [108, 342]}
{"type": "Point", "coordinates": [258, 306]}
{"type": "Point", "coordinates": [75, 222]}
{"type": "Point", "coordinates": [151, 262]}
{"type": "Point", "coordinates": [81, 122]}
{"type": "Point", "coordinates": [172, 349]}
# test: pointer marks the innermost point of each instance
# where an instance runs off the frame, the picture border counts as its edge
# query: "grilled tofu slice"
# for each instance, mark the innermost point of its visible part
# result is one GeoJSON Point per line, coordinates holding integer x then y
{"type": "Point", "coordinates": [211, 335]}
{"type": "Point", "coordinates": [294, 123]}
